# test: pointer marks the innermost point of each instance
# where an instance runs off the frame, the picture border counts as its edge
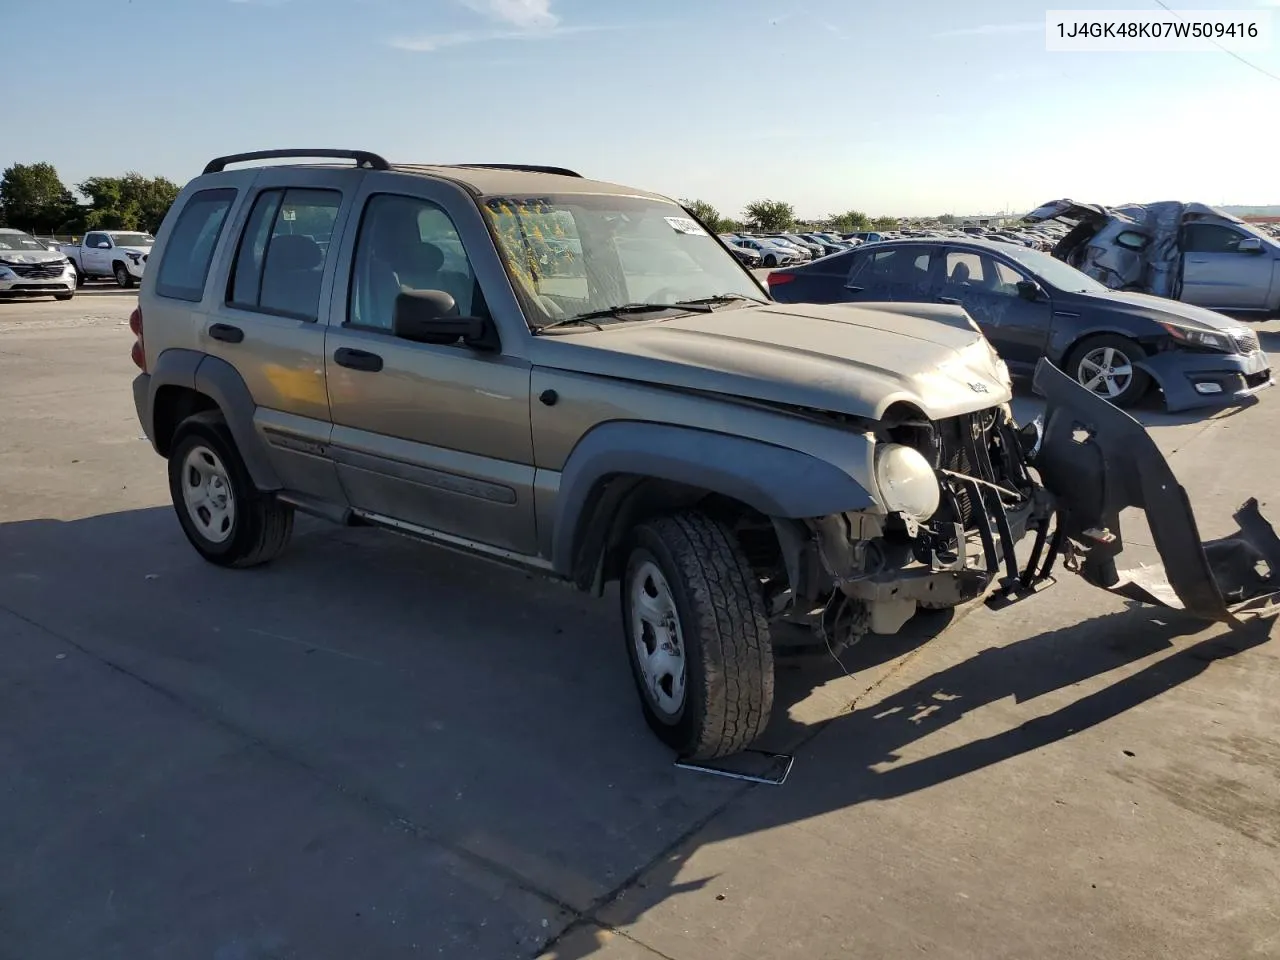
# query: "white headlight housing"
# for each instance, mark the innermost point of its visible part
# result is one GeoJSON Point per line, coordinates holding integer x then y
{"type": "Point", "coordinates": [907, 481]}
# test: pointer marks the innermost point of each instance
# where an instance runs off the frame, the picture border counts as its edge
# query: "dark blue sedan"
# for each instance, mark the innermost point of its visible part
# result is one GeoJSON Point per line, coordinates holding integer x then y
{"type": "Point", "coordinates": [1030, 305]}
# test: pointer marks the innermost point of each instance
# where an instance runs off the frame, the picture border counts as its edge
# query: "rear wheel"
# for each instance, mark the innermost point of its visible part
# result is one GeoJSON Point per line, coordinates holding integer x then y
{"type": "Point", "coordinates": [1107, 366]}
{"type": "Point", "coordinates": [770, 260]}
{"type": "Point", "coordinates": [227, 519]}
{"type": "Point", "coordinates": [123, 278]}
{"type": "Point", "coordinates": [697, 636]}
{"type": "Point", "coordinates": [79, 275]}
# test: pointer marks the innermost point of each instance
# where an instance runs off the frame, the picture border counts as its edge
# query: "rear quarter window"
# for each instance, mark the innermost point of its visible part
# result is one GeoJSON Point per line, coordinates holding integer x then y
{"type": "Point", "coordinates": [188, 251]}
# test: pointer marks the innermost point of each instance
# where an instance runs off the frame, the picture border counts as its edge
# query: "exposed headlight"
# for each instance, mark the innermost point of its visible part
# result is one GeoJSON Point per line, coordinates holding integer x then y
{"type": "Point", "coordinates": [135, 257]}
{"type": "Point", "coordinates": [907, 481]}
{"type": "Point", "coordinates": [1201, 338]}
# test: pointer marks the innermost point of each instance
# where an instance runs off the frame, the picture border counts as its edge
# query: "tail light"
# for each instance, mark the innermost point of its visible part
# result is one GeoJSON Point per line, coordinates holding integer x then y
{"type": "Point", "coordinates": [139, 352]}
{"type": "Point", "coordinates": [778, 278]}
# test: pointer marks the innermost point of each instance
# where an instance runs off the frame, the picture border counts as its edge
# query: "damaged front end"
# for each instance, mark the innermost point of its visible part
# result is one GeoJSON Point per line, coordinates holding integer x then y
{"type": "Point", "coordinates": [1096, 460]}
{"type": "Point", "coordinates": [873, 572]}
{"type": "Point", "coordinates": [1064, 484]}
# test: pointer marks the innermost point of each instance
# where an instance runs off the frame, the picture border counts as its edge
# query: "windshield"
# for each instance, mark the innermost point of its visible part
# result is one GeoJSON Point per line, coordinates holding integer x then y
{"type": "Point", "coordinates": [133, 239]}
{"type": "Point", "coordinates": [578, 254]}
{"type": "Point", "coordinates": [1054, 272]}
{"type": "Point", "coordinates": [20, 241]}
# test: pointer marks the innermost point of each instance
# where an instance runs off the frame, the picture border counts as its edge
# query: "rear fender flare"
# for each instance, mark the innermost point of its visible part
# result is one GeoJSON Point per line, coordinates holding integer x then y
{"type": "Point", "coordinates": [219, 381]}
{"type": "Point", "coordinates": [775, 481]}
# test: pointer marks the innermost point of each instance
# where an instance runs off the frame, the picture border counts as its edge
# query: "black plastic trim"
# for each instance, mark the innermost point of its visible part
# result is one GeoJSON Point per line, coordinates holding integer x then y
{"type": "Point", "coordinates": [363, 158]}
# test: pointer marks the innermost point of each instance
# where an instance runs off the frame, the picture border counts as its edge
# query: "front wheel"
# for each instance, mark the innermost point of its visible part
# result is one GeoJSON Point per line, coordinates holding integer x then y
{"type": "Point", "coordinates": [770, 261]}
{"type": "Point", "coordinates": [64, 296]}
{"type": "Point", "coordinates": [227, 519]}
{"type": "Point", "coordinates": [1107, 366]}
{"type": "Point", "coordinates": [124, 279]}
{"type": "Point", "coordinates": [697, 636]}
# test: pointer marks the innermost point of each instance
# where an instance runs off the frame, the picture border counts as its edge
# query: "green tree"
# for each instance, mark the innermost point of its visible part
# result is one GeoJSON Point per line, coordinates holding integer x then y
{"type": "Point", "coordinates": [850, 221]}
{"type": "Point", "coordinates": [708, 214]}
{"type": "Point", "coordinates": [770, 216]}
{"type": "Point", "coordinates": [130, 202]}
{"type": "Point", "coordinates": [885, 223]}
{"type": "Point", "coordinates": [729, 225]}
{"type": "Point", "coordinates": [947, 219]}
{"type": "Point", "coordinates": [33, 198]}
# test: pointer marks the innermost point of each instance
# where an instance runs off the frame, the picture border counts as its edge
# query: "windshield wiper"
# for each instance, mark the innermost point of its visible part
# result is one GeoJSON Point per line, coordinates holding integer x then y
{"type": "Point", "coordinates": [564, 323]}
{"type": "Point", "coordinates": [720, 298]}
{"type": "Point", "coordinates": [623, 310]}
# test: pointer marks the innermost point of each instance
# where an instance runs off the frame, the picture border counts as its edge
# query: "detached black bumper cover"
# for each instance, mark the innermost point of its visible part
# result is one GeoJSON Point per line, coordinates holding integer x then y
{"type": "Point", "coordinates": [1097, 460]}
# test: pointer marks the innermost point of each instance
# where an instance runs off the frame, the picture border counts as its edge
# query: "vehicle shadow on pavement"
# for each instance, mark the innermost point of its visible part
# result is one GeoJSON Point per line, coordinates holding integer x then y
{"type": "Point", "coordinates": [858, 758]}
{"type": "Point", "coordinates": [490, 714]}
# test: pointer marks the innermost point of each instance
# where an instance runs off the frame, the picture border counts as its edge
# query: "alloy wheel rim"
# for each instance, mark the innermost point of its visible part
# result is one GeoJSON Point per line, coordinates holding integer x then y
{"type": "Point", "coordinates": [206, 492]}
{"type": "Point", "coordinates": [656, 636]}
{"type": "Point", "coordinates": [1105, 371]}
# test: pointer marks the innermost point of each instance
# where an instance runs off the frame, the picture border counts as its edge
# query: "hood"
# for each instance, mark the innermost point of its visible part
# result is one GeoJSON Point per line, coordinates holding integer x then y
{"type": "Point", "coordinates": [1162, 310]}
{"type": "Point", "coordinates": [31, 256]}
{"type": "Point", "coordinates": [840, 358]}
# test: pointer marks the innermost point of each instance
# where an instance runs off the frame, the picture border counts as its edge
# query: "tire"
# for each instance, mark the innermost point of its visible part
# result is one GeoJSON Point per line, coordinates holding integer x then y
{"type": "Point", "coordinates": [770, 261]}
{"type": "Point", "coordinates": [714, 622]}
{"type": "Point", "coordinates": [124, 279]}
{"type": "Point", "coordinates": [64, 296]}
{"type": "Point", "coordinates": [79, 276]}
{"type": "Point", "coordinates": [1082, 364]}
{"type": "Point", "coordinates": [255, 528]}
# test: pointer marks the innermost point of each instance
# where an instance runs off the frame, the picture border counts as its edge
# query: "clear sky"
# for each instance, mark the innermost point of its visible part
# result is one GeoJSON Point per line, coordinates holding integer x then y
{"type": "Point", "coordinates": [888, 106]}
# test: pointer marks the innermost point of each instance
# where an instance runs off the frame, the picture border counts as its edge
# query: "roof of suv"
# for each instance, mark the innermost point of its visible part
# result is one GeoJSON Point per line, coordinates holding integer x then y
{"type": "Point", "coordinates": [498, 181]}
{"type": "Point", "coordinates": [480, 179]}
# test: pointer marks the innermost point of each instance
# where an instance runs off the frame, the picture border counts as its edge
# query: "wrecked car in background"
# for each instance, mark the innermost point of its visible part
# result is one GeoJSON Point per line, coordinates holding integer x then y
{"type": "Point", "coordinates": [1184, 251]}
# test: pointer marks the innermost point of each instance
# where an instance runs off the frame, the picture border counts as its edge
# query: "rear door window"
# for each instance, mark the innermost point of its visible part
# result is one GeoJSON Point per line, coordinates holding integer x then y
{"type": "Point", "coordinates": [189, 250]}
{"type": "Point", "coordinates": [281, 259]}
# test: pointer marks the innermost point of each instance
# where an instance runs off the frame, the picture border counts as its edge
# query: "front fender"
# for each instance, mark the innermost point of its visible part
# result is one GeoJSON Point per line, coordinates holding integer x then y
{"type": "Point", "coordinates": [1096, 460]}
{"type": "Point", "coordinates": [776, 481]}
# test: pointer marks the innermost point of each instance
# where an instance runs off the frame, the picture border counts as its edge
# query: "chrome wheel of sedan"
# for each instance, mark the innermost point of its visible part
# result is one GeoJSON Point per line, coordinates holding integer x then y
{"type": "Point", "coordinates": [1110, 366]}
{"type": "Point", "coordinates": [1106, 371]}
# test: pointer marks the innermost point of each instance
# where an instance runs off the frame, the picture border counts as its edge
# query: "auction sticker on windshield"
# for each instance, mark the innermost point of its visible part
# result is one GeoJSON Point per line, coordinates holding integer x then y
{"type": "Point", "coordinates": [685, 225]}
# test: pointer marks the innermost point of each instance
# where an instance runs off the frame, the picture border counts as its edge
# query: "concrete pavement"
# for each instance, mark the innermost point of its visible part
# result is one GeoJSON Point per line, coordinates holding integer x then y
{"type": "Point", "coordinates": [373, 748]}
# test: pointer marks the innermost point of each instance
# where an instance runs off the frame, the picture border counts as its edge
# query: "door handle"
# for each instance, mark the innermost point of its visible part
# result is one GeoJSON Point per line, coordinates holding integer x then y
{"type": "Point", "coordinates": [954, 301]}
{"type": "Point", "coordinates": [226, 333]}
{"type": "Point", "coordinates": [1197, 261]}
{"type": "Point", "coordinates": [357, 359]}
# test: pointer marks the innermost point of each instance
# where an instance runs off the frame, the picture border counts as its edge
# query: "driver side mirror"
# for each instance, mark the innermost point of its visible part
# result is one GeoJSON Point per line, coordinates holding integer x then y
{"type": "Point", "coordinates": [1030, 290]}
{"type": "Point", "coordinates": [431, 316]}
{"type": "Point", "coordinates": [1250, 245]}
{"type": "Point", "coordinates": [103, 244]}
